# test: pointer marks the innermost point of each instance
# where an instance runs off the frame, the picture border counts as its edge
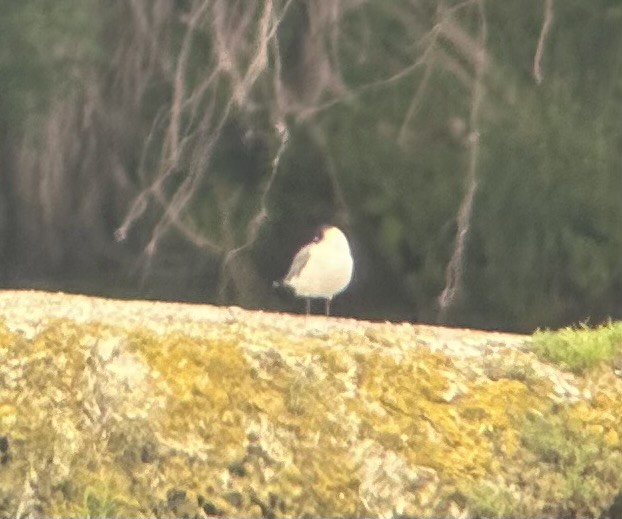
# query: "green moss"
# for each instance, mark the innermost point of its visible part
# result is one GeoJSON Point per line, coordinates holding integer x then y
{"type": "Point", "coordinates": [578, 468]}
{"type": "Point", "coordinates": [94, 494]}
{"type": "Point", "coordinates": [580, 348]}
{"type": "Point", "coordinates": [512, 365]}
{"type": "Point", "coordinates": [100, 504]}
{"type": "Point", "coordinates": [486, 499]}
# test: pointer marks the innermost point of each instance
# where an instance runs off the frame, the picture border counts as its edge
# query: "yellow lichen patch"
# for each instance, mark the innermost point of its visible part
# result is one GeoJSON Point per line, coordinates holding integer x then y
{"type": "Point", "coordinates": [56, 416]}
{"type": "Point", "coordinates": [311, 436]}
{"type": "Point", "coordinates": [42, 378]}
{"type": "Point", "coordinates": [7, 338]}
{"type": "Point", "coordinates": [603, 411]}
{"type": "Point", "coordinates": [206, 385]}
{"type": "Point", "coordinates": [463, 439]}
{"type": "Point", "coordinates": [269, 426]}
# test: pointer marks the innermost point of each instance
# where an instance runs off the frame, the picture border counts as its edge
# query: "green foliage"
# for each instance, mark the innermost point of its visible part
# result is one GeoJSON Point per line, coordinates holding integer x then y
{"type": "Point", "coordinates": [44, 45]}
{"type": "Point", "coordinates": [545, 250]}
{"type": "Point", "coordinates": [580, 348]}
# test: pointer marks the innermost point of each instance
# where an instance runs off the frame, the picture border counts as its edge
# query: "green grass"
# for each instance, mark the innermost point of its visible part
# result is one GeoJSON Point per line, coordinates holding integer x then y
{"type": "Point", "coordinates": [98, 504]}
{"type": "Point", "coordinates": [103, 501]}
{"type": "Point", "coordinates": [580, 348]}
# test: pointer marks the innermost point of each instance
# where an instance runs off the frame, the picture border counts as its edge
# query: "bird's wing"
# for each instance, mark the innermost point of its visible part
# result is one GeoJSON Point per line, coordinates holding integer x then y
{"type": "Point", "coordinates": [298, 263]}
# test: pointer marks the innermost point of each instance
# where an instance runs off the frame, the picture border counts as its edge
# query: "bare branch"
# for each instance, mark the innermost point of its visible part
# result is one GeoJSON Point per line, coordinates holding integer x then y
{"type": "Point", "coordinates": [546, 27]}
{"type": "Point", "coordinates": [415, 104]}
{"type": "Point", "coordinates": [455, 267]}
{"type": "Point", "coordinates": [262, 215]}
{"type": "Point", "coordinates": [343, 211]}
{"type": "Point", "coordinates": [179, 82]}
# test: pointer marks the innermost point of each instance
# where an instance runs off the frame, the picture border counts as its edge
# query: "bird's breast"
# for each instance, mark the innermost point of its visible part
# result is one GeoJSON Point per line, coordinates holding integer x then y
{"type": "Point", "coordinates": [326, 273]}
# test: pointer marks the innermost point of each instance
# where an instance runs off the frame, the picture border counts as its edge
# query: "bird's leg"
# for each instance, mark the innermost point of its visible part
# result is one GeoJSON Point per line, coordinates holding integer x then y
{"type": "Point", "coordinates": [308, 305]}
{"type": "Point", "coordinates": [327, 307]}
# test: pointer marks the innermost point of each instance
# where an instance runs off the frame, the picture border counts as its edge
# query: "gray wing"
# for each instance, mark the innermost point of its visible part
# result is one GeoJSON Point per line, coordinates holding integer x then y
{"type": "Point", "coordinates": [299, 262]}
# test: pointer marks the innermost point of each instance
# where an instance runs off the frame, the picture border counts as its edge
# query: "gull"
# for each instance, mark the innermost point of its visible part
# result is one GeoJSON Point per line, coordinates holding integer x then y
{"type": "Point", "coordinates": [321, 269]}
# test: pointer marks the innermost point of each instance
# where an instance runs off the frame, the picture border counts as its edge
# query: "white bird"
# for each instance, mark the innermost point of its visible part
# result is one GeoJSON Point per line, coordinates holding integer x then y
{"type": "Point", "coordinates": [321, 269]}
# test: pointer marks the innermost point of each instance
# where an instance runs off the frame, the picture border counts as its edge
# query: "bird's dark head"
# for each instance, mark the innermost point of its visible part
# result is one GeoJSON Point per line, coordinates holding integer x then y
{"type": "Point", "coordinates": [318, 235]}
{"type": "Point", "coordinates": [329, 234]}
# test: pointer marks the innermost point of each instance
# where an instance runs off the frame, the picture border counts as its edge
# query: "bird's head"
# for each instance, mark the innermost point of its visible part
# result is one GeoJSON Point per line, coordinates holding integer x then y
{"type": "Point", "coordinates": [329, 234]}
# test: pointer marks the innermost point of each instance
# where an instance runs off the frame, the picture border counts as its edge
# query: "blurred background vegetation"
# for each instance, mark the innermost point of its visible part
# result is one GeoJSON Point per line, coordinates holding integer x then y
{"type": "Point", "coordinates": [471, 150]}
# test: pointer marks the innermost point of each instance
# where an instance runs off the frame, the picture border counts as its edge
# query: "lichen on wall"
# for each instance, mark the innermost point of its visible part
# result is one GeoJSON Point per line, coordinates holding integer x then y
{"type": "Point", "coordinates": [160, 410]}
